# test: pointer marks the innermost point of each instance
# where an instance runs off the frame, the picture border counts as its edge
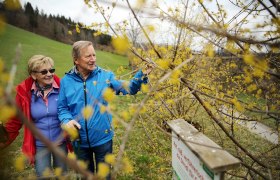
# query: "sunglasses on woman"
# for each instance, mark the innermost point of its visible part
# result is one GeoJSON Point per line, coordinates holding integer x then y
{"type": "Point", "coordinates": [44, 72]}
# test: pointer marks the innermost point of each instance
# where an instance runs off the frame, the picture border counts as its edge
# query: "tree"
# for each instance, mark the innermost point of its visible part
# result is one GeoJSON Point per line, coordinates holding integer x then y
{"type": "Point", "coordinates": [104, 39]}
{"type": "Point", "coordinates": [240, 84]}
{"type": "Point", "coordinates": [32, 15]}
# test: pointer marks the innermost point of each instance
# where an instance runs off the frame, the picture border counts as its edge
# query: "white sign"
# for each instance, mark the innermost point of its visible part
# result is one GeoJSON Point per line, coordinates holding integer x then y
{"type": "Point", "coordinates": [187, 165]}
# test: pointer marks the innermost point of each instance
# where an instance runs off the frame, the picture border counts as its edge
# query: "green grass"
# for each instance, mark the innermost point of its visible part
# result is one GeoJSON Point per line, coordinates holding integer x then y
{"type": "Point", "coordinates": [260, 117]}
{"type": "Point", "coordinates": [148, 149]}
{"type": "Point", "coordinates": [32, 44]}
{"type": "Point", "coordinates": [146, 160]}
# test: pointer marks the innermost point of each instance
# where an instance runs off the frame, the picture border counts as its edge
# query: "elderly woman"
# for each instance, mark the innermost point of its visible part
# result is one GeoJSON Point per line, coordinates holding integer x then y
{"type": "Point", "coordinates": [37, 98]}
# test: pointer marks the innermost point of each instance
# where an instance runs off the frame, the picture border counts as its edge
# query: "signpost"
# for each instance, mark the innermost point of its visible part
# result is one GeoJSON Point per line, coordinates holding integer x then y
{"type": "Point", "coordinates": [195, 156]}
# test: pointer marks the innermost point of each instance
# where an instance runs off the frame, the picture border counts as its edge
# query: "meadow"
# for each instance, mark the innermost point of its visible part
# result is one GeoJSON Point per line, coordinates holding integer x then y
{"type": "Point", "coordinates": [149, 146]}
{"type": "Point", "coordinates": [141, 150]}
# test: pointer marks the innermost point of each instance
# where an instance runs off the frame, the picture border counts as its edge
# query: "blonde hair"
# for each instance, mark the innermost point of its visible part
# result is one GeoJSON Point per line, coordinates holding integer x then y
{"type": "Point", "coordinates": [37, 61]}
{"type": "Point", "coordinates": [76, 48]}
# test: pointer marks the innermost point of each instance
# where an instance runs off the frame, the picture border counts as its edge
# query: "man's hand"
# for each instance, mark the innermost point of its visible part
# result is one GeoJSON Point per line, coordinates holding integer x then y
{"type": "Point", "coordinates": [73, 124]}
{"type": "Point", "coordinates": [148, 69]}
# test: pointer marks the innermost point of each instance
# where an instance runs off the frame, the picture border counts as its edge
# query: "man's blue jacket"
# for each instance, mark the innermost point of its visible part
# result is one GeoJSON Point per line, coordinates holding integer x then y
{"type": "Point", "coordinates": [76, 93]}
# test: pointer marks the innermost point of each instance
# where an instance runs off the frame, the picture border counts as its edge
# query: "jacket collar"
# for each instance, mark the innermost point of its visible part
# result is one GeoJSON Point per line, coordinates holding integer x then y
{"type": "Point", "coordinates": [24, 88]}
{"type": "Point", "coordinates": [74, 71]}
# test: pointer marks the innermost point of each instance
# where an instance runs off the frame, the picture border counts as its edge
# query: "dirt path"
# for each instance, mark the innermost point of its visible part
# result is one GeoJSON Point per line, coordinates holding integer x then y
{"type": "Point", "coordinates": [255, 127]}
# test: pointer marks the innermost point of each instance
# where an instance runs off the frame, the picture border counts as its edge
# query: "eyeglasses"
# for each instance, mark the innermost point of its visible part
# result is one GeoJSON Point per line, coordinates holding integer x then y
{"type": "Point", "coordinates": [44, 72]}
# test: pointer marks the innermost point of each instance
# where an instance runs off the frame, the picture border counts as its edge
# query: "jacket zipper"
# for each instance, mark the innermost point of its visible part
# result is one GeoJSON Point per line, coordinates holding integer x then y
{"type": "Point", "coordinates": [85, 96]}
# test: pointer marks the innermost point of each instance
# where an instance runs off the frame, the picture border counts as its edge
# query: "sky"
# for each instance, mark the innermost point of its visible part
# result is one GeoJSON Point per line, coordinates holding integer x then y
{"type": "Point", "coordinates": [78, 11]}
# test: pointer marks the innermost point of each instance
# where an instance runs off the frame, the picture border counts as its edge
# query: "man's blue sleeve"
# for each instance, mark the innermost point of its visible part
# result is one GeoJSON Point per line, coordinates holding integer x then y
{"type": "Point", "coordinates": [134, 84]}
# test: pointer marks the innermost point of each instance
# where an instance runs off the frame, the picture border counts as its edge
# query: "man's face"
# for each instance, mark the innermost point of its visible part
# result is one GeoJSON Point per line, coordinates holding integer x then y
{"type": "Point", "coordinates": [86, 63]}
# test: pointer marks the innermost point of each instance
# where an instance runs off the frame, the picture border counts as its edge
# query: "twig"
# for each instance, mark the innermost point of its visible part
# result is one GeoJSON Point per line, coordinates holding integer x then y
{"type": "Point", "coordinates": [209, 112]}
{"type": "Point", "coordinates": [13, 71]}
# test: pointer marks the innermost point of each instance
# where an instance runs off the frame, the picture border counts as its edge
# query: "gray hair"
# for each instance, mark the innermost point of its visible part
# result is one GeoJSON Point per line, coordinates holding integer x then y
{"type": "Point", "coordinates": [76, 48]}
{"type": "Point", "coordinates": [37, 61]}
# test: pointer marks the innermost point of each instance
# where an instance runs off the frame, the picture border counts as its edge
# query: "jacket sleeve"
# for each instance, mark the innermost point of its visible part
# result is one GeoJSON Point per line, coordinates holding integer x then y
{"type": "Point", "coordinates": [64, 113]}
{"type": "Point", "coordinates": [13, 125]}
{"type": "Point", "coordinates": [12, 128]}
{"type": "Point", "coordinates": [134, 84]}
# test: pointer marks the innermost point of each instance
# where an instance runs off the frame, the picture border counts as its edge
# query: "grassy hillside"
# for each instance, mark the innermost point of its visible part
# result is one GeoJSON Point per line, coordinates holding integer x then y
{"type": "Point", "coordinates": [32, 44]}
{"type": "Point", "coordinates": [142, 149]}
{"type": "Point", "coordinates": [61, 53]}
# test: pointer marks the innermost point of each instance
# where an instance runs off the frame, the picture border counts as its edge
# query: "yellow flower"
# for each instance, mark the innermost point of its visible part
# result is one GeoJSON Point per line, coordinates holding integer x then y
{"type": "Point", "coordinates": [102, 109]}
{"type": "Point", "coordinates": [71, 155]}
{"type": "Point", "coordinates": [4, 77]}
{"type": "Point", "coordinates": [103, 170]}
{"type": "Point", "coordinates": [72, 132]}
{"type": "Point", "coordinates": [82, 164]}
{"type": "Point", "coordinates": [249, 59]}
{"type": "Point", "coordinates": [109, 95]}
{"type": "Point", "coordinates": [258, 73]}
{"type": "Point", "coordinates": [143, 110]}
{"type": "Point", "coordinates": [248, 79]}
{"type": "Point", "coordinates": [232, 65]}
{"type": "Point", "coordinates": [176, 74]}
{"type": "Point", "coordinates": [140, 3]}
{"type": "Point", "coordinates": [87, 112]}
{"type": "Point", "coordinates": [170, 101]}
{"type": "Point", "coordinates": [159, 95]}
{"type": "Point", "coordinates": [7, 112]}
{"type": "Point", "coordinates": [132, 108]}
{"type": "Point", "coordinates": [164, 64]}
{"type": "Point", "coordinates": [78, 29]}
{"type": "Point", "coordinates": [125, 115]}
{"type": "Point", "coordinates": [150, 28]}
{"type": "Point", "coordinates": [20, 163]}
{"type": "Point", "coordinates": [94, 83]}
{"type": "Point", "coordinates": [97, 33]}
{"type": "Point", "coordinates": [262, 64]}
{"type": "Point", "coordinates": [121, 44]}
{"type": "Point", "coordinates": [259, 91]}
{"type": "Point", "coordinates": [144, 88]}
{"type": "Point", "coordinates": [120, 70]}
{"type": "Point", "coordinates": [46, 172]}
{"type": "Point", "coordinates": [210, 52]}
{"type": "Point", "coordinates": [127, 167]}
{"type": "Point", "coordinates": [237, 104]}
{"type": "Point", "coordinates": [252, 87]}
{"type": "Point", "coordinates": [12, 4]}
{"type": "Point", "coordinates": [110, 158]}
{"type": "Point", "coordinates": [207, 105]}
{"type": "Point", "coordinates": [70, 32]}
{"type": "Point", "coordinates": [58, 171]}
{"type": "Point", "coordinates": [174, 81]}
{"type": "Point", "coordinates": [115, 123]}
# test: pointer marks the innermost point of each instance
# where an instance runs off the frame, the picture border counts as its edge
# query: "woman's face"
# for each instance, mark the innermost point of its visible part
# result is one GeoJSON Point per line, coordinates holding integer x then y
{"type": "Point", "coordinates": [44, 75]}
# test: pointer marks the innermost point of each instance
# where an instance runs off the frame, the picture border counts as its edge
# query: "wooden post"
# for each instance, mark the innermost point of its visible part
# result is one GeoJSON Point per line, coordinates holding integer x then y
{"type": "Point", "coordinates": [195, 156]}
